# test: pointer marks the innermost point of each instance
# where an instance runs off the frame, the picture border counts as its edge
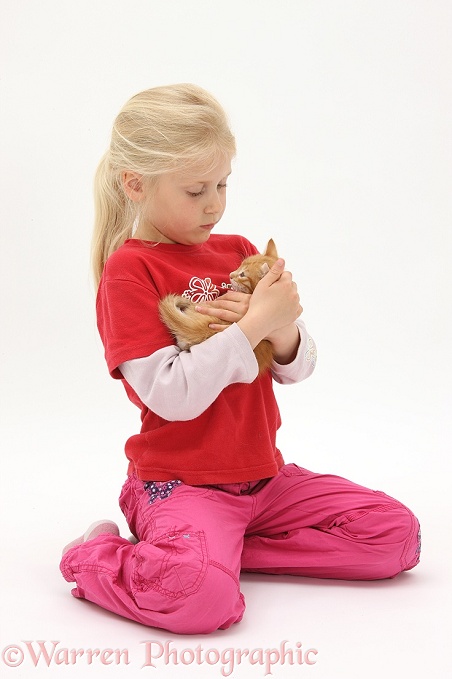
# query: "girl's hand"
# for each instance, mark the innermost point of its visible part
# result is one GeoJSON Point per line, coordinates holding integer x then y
{"type": "Point", "coordinates": [276, 299]}
{"type": "Point", "coordinates": [274, 305]}
{"type": "Point", "coordinates": [230, 308]}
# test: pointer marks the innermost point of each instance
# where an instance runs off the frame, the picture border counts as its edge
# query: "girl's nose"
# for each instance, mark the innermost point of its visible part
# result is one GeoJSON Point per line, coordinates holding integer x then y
{"type": "Point", "coordinates": [214, 205]}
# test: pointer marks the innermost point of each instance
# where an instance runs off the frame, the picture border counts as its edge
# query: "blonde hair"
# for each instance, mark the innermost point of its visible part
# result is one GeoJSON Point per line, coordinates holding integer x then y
{"type": "Point", "coordinates": [160, 130]}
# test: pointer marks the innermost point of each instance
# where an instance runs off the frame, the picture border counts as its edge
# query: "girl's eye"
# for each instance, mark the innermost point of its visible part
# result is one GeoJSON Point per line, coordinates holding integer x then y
{"type": "Point", "coordinates": [195, 194]}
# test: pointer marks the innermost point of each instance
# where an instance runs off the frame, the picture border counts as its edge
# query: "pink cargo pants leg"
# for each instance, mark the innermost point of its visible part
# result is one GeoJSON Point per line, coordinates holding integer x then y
{"type": "Point", "coordinates": [325, 526]}
{"type": "Point", "coordinates": [183, 575]}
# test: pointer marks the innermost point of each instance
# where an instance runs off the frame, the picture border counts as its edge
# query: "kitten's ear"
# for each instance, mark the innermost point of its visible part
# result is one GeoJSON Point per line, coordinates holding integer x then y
{"type": "Point", "coordinates": [264, 269]}
{"type": "Point", "coordinates": [270, 250]}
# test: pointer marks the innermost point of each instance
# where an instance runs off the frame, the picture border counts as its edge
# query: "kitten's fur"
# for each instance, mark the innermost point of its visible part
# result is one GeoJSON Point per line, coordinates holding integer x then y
{"type": "Point", "coordinates": [190, 327]}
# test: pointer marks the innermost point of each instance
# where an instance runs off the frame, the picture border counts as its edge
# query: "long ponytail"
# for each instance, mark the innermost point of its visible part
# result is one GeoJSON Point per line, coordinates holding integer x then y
{"type": "Point", "coordinates": [113, 216]}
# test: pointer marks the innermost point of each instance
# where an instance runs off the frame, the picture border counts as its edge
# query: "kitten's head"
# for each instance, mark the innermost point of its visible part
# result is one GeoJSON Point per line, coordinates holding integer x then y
{"type": "Point", "coordinates": [253, 268]}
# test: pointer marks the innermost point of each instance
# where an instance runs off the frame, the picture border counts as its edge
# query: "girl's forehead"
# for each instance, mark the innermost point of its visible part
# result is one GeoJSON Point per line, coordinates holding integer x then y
{"type": "Point", "coordinates": [203, 173]}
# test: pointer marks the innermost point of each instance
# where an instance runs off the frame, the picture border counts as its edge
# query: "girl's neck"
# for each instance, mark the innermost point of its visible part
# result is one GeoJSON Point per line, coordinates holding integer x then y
{"type": "Point", "coordinates": [150, 233]}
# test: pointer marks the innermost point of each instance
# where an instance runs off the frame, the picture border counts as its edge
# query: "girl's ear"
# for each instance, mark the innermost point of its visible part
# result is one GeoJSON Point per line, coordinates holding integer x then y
{"type": "Point", "coordinates": [132, 183]}
{"type": "Point", "coordinates": [270, 250]}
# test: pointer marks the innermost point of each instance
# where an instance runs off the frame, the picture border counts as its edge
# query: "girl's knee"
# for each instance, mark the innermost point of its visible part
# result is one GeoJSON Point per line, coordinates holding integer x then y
{"type": "Point", "coordinates": [391, 532]}
{"type": "Point", "coordinates": [402, 533]}
{"type": "Point", "coordinates": [217, 604]}
{"type": "Point", "coordinates": [412, 550]}
{"type": "Point", "coordinates": [214, 602]}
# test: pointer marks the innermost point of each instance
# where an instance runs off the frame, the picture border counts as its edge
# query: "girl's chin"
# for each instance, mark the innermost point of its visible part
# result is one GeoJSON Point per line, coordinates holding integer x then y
{"type": "Point", "coordinates": [207, 227]}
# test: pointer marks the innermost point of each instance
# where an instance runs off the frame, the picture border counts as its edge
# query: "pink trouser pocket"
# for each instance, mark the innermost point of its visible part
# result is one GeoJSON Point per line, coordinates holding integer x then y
{"type": "Point", "coordinates": [174, 565]}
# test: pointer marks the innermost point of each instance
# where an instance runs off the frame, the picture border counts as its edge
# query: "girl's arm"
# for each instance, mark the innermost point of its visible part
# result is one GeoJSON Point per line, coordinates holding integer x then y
{"type": "Point", "coordinates": [172, 383]}
{"type": "Point", "coordinates": [180, 385]}
{"type": "Point", "coordinates": [303, 362]}
{"type": "Point", "coordinates": [294, 350]}
{"type": "Point", "coordinates": [232, 307]}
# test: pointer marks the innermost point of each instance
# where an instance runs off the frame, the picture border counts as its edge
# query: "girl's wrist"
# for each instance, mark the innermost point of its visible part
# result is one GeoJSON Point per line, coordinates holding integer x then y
{"type": "Point", "coordinates": [252, 329]}
{"type": "Point", "coordinates": [285, 343]}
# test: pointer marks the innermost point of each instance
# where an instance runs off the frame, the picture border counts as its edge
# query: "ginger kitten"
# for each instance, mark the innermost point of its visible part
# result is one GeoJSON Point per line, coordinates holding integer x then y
{"type": "Point", "coordinates": [190, 327]}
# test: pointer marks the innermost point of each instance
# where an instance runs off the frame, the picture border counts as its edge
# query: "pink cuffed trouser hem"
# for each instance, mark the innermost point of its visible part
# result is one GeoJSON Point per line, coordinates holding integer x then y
{"type": "Point", "coordinates": [183, 575]}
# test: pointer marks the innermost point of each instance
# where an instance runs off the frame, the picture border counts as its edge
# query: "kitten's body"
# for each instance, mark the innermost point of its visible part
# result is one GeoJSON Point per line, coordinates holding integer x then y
{"type": "Point", "coordinates": [189, 327]}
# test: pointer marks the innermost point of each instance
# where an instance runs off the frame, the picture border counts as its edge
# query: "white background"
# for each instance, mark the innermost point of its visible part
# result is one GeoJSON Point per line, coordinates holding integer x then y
{"type": "Point", "coordinates": [341, 111]}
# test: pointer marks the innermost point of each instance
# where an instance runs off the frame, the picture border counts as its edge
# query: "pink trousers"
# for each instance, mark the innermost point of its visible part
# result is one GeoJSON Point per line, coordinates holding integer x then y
{"type": "Point", "coordinates": [183, 575]}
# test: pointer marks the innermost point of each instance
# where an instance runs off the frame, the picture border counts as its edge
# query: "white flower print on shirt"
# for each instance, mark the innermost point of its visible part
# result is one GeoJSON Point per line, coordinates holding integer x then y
{"type": "Point", "coordinates": [201, 290]}
{"type": "Point", "coordinates": [311, 352]}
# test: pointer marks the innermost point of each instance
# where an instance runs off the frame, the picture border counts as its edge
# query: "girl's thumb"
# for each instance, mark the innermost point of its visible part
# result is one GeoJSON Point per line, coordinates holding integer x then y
{"type": "Point", "coordinates": [275, 272]}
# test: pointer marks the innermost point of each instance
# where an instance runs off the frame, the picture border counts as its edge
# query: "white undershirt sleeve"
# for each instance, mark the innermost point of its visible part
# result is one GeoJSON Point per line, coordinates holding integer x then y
{"type": "Point", "coordinates": [180, 385]}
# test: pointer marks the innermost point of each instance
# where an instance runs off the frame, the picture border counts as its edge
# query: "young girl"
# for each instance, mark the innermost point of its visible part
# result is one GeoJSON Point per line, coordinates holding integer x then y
{"type": "Point", "coordinates": [207, 493]}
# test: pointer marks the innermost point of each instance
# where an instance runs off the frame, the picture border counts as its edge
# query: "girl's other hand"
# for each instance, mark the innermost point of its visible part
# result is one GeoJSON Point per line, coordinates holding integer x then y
{"type": "Point", "coordinates": [276, 298]}
{"type": "Point", "coordinates": [230, 308]}
{"type": "Point", "coordinates": [274, 304]}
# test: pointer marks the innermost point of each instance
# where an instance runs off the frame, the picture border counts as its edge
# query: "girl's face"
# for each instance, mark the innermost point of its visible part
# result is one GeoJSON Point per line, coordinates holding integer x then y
{"type": "Point", "coordinates": [184, 207]}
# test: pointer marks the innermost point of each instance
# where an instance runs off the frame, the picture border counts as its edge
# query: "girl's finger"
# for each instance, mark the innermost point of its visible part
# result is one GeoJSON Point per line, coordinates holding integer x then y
{"type": "Point", "coordinates": [233, 295]}
{"type": "Point", "coordinates": [229, 307]}
{"type": "Point", "coordinates": [227, 301]}
{"type": "Point", "coordinates": [214, 308]}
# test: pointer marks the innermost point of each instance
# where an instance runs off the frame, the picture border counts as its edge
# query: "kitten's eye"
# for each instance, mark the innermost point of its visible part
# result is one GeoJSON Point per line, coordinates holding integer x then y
{"type": "Point", "coordinates": [242, 274]}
